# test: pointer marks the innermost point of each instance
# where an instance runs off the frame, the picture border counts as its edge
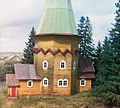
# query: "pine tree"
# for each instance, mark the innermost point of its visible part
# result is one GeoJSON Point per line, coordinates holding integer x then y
{"type": "Point", "coordinates": [28, 55]}
{"type": "Point", "coordinates": [86, 45]}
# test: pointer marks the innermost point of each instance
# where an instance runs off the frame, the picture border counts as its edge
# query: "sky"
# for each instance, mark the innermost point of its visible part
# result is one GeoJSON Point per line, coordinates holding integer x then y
{"type": "Point", "coordinates": [17, 17]}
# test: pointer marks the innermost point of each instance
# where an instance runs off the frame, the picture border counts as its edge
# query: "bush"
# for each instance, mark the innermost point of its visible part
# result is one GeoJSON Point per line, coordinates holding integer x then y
{"type": "Point", "coordinates": [6, 68]}
{"type": "Point", "coordinates": [105, 97]}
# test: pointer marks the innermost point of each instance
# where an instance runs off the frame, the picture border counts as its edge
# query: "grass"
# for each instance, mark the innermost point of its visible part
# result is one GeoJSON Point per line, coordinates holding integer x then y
{"type": "Point", "coordinates": [75, 101]}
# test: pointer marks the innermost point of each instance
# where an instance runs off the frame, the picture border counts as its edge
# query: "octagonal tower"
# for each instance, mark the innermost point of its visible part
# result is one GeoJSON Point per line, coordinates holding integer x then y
{"type": "Point", "coordinates": [55, 52]}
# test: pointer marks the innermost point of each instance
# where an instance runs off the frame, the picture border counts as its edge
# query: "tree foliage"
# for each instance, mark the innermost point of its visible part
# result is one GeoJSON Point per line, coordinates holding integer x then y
{"type": "Point", "coordinates": [86, 45]}
{"type": "Point", "coordinates": [28, 55]}
{"type": "Point", "coordinates": [97, 54]}
{"type": "Point", "coordinates": [108, 77]}
{"type": "Point", "coordinates": [6, 67]}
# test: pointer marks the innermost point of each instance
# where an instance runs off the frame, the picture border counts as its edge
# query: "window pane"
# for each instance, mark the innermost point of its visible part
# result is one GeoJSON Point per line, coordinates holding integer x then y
{"type": "Point", "coordinates": [45, 65]}
{"type": "Point", "coordinates": [82, 82]}
{"type": "Point", "coordinates": [29, 84]}
{"type": "Point", "coordinates": [45, 82]}
{"type": "Point", "coordinates": [65, 83]}
{"type": "Point", "coordinates": [62, 65]}
{"type": "Point", "coordinates": [60, 83]}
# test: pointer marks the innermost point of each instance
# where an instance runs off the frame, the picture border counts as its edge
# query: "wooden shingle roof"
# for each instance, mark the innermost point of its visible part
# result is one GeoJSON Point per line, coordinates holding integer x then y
{"type": "Point", "coordinates": [85, 68]}
{"type": "Point", "coordinates": [26, 72]}
{"type": "Point", "coordinates": [11, 80]}
{"type": "Point", "coordinates": [85, 65]}
{"type": "Point", "coordinates": [82, 76]}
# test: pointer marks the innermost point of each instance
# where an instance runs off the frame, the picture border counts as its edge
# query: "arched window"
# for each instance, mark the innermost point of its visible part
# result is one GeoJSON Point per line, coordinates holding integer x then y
{"type": "Point", "coordinates": [45, 64]}
{"type": "Point", "coordinates": [74, 65]}
{"type": "Point", "coordinates": [29, 83]}
{"type": "Point", "coordinates": [62, 64]}
{"type": "Point", "coordinates": [82, 82]}
{"type": "Point", "coordinates": [45, 82]}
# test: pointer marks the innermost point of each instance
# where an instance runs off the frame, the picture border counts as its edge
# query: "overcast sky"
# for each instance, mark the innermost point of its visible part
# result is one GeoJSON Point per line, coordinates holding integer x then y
{"type": "Point", "coordinates": [17, 17]}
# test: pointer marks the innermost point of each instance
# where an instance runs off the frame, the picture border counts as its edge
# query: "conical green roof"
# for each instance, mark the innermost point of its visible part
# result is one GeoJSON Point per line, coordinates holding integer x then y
{"type": "Point", "coordinates": [57, 17]}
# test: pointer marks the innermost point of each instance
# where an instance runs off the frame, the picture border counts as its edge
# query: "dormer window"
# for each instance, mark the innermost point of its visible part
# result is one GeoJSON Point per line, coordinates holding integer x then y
{"type": "Point", "coordinates": [62, 64]}
{"type": "Point", "coordinates": [29, 83]}
{"type": "Point", "coordinates": [74, 65]}
{"type": "Point", "coordinates": [45, 64]}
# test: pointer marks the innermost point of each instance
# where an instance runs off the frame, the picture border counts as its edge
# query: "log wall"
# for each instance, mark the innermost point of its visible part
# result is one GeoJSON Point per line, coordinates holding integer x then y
{"type": "Point", "coordinates": [24, 90]}
{"type": "Point", "coordinates": [54, 73]}
{"type": "Point", "coordinates": [85, 88]}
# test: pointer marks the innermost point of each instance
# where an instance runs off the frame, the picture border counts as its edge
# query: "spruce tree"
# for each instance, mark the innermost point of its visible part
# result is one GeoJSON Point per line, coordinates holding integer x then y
{"type": "Point", "coordinates": [108, 77]}
{"type": "Point", "coordinates": [115, 46]}
{"type": "Point", "coordinates": [28, 55]}
{"type": "Point", "coordinates": [104, 63]}
{"type": "Point", "coordinates": [98, 52]}
{"type": "Point", "coordinates": [96, 59]}
{"type": "Point", "coordinates": [86, 45]}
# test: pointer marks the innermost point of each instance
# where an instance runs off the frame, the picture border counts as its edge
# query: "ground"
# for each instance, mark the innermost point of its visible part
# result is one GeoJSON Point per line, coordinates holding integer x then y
{"type": "Point", "coordinates": [76, 101]}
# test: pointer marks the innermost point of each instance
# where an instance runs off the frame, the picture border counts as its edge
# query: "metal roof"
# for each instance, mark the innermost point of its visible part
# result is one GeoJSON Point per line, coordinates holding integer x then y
{"type": "Point", "coordinates": [57, 17]}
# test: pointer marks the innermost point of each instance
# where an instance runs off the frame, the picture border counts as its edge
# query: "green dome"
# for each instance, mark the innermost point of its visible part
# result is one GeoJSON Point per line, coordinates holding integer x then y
{"type": "Point", "coordinates": [57, 17]}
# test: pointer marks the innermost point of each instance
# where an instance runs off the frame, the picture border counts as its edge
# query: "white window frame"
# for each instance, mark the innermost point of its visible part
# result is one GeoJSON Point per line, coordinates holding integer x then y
{"type": "Point", "coordinates": [43, 82]}
{"type": "Point", "coordinates": [58, 82]}
{"type": "Point", "coordinates": [84, 82]}
{"type": "Point", "coordinates": [74, 65]}
{"type": "Point", "coordinates": [62, 61]}
{"type": "Point", "coordinates": [63, 83]}
{"type": "Point", "coordinates": [28, 83]}
{"type": "Point", "coordinates": [67, 83]}
{"type": "Point", "coordinates": [45, 61]}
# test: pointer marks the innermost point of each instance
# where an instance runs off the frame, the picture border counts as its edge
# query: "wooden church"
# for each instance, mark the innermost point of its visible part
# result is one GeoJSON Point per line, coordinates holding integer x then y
{"type": "Point", "coordinates": [57, 68]}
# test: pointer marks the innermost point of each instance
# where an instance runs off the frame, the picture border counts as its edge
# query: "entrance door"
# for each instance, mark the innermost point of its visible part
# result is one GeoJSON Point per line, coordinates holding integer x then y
{"type": "Point", "coordinates": [14, 91]}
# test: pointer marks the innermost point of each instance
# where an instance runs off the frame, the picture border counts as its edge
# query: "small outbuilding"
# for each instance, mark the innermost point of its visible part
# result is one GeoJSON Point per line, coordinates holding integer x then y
{"type": "Point", "coordinates": [12, 86]}
{"type": "Point", "coordinates": [23, 82]}
{"type": "Point", "coordinates": [85, 74]}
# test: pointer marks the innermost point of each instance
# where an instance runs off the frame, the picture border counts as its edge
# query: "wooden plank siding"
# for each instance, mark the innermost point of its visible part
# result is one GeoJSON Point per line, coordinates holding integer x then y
{"type": "Point", "coordinates": [24, 90]}
{"type": "Point", "coordinates": [84, 88]}
{"type": "Point", "coordinates": [54, 73]}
